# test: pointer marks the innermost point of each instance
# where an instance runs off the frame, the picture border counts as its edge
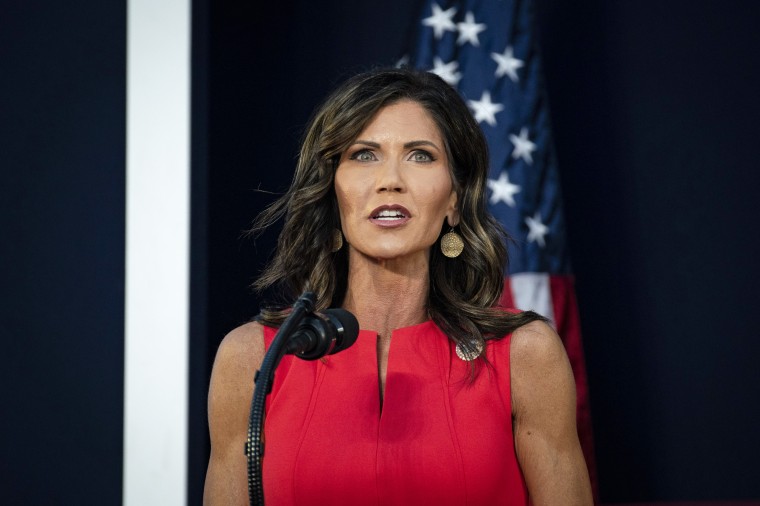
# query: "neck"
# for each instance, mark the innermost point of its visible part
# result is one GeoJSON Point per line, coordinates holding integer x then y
{"type": "Point", "coordinates": [386, 295]}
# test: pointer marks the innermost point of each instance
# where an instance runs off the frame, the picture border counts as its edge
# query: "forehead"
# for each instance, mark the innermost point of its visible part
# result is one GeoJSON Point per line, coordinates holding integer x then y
{"type": "Point", "coordinates": [404, 118]}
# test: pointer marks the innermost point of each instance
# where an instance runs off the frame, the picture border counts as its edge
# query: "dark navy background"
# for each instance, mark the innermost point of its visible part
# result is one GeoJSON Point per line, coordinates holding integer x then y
{"type": "Point", "coordinates": [655, 113]}
{"type": "Point", "coordinates": [62, 141]}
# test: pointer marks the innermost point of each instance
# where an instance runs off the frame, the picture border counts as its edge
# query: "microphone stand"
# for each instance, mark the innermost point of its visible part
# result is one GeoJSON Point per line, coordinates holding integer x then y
{"type": "Point", "coordinates": [254, 449]}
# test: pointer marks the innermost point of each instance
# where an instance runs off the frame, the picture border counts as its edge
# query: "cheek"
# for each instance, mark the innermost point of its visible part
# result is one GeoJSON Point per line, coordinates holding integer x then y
{"type": "Point", "coordinates": [345, 194]}
{"type": "Point", "coordinates": [343, 205]}
{"type": "Point", "coordinates": [437, 197]}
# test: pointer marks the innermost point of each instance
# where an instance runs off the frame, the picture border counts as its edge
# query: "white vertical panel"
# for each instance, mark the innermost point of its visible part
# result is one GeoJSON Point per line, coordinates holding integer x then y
{"type": "Point", "coordinates": [157, 256]}
{"type": "Point", "coordinates": [532, 291]}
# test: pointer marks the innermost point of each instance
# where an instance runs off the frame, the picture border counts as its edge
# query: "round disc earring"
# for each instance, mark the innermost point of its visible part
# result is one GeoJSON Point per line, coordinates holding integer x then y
{"type": "Point", "coordinates": [452, 244]}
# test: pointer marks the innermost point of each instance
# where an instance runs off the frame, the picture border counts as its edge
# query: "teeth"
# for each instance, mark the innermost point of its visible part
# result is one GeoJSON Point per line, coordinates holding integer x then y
{"type": "Point", "coordinates": [388, 213]}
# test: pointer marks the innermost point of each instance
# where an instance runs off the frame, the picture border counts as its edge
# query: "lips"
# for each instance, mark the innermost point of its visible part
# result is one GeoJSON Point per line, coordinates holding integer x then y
{"type": "Point", "coordinates": [390, 216]}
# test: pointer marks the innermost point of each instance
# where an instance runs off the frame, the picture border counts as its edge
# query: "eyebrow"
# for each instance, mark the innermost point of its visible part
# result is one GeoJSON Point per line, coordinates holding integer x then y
{"type": "Point", "coordinates": [408, 145]}
{"type": "Point", "coordinates": [414, 144]}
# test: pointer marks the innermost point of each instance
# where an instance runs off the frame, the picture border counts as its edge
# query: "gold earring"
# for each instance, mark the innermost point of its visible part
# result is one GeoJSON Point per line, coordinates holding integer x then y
{"type": "Point", "coordinates": [337, 240]}
{"type": "Point", "coordinates": [452, 244]}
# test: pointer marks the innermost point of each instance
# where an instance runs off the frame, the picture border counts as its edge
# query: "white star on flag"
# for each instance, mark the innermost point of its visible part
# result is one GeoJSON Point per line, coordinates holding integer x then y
{"type": "Point", "coordinates": [441, 20]}
{"type": "Point", "coordinates": [484, 109]}
{"type": "Point", "coordinates": [447, 71]}
{"type": "Point", "coordinates": [503, 190]}
{"type": "Point", "coordinates": [469, 30]}
{"type": "Point", "coordinates": [523, 146]}
{"type": "Point", "coordinates": [536, 229]}
{"type": "Point", "coordinates": [507, 64]}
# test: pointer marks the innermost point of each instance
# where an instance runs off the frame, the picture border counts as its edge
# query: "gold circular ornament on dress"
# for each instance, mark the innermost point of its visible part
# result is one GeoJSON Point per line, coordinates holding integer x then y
{"type": "Point", "coordinates": [452, 244]}
{"type": "Point", "coordinates": [469, 355]}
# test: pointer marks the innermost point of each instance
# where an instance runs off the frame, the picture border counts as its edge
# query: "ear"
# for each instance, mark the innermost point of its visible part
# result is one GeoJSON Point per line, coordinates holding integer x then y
{"type": "Point", "coordinates": [452, 212]}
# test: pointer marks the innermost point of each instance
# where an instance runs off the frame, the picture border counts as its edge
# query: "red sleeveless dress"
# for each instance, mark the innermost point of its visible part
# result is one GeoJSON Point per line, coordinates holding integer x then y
{"type": "Point", "coordinates": [437, 439]}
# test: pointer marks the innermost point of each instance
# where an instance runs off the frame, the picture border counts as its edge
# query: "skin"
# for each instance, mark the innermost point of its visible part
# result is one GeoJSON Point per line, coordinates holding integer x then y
{"type": "Point", "coordinates": [399, 160]}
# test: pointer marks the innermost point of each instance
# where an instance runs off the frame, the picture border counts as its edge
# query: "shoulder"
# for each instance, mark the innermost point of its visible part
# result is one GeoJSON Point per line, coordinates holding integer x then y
{"type": "Point", "coordinates": [239, 356]}
{"type": "Point", "coordinates": [534, 344]}
{"type": "Point", "coordinates": [241, 345]}
{"type": "Point", "coordinates": [231, 389]}
{"type": "Point", "coordinates": [540, 371]}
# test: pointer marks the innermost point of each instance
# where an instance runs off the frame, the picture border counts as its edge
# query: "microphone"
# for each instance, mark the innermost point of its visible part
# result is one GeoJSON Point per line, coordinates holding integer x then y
{"type": "Point", "coordinates": [321, 334]}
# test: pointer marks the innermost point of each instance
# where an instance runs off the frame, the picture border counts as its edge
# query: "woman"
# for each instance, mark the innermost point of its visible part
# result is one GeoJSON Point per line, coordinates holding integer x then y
{"type": "Point", "coordinates": [444, 398]}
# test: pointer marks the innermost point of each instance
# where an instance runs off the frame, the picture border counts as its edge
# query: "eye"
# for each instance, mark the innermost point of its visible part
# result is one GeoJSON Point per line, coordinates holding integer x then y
{"type": "Point", "coordinates": [422, 156]}
{"type": "Point", "coordinates": [363, 155]}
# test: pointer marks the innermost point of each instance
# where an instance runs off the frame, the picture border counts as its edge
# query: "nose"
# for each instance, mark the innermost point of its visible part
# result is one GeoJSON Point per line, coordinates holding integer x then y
{"type": "Point", "coordinates": [389, 177]}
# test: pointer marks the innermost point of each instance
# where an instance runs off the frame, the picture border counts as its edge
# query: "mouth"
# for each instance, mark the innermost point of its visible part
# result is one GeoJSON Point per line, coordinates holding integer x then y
{"type": "Point", "coordinates": [390, 215]}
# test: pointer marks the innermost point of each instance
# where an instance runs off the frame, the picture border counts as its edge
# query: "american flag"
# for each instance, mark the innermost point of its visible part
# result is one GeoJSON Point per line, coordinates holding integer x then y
{"type": "Point", "coordinates": [488, 51]}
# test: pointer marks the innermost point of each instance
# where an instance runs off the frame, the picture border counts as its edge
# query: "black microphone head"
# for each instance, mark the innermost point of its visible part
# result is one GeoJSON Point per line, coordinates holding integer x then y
{"type": "Point", "coordinates": [346, 325]}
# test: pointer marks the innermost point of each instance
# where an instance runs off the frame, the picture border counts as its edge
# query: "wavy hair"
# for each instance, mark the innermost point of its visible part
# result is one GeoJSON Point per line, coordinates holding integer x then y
{"type": "Point", "coordinates": [464, 291]}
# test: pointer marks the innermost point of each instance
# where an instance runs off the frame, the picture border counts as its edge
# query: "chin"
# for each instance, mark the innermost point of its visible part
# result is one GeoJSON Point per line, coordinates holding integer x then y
{"type": "Point", "coordinates": [385, 256]}
{"type": "Point", "coordinates": [391, 252]}
{"type": "Point", "coordinates": [401, 256]}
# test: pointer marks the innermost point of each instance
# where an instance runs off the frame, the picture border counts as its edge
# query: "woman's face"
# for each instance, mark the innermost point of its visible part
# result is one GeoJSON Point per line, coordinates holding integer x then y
{"type": "Point", "coordinates": [393, 185]}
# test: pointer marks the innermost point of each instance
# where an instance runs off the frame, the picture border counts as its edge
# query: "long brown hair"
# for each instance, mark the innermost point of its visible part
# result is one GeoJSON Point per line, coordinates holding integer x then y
{"type": "Point", "coordinates": [464, 291]}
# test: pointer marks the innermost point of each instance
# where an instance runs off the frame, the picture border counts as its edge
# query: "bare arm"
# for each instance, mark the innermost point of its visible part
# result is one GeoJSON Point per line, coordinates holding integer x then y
{"type": "Point", "coordinates": [543, 406]}
{"type": "Point", "coordinates": [229, 401]}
